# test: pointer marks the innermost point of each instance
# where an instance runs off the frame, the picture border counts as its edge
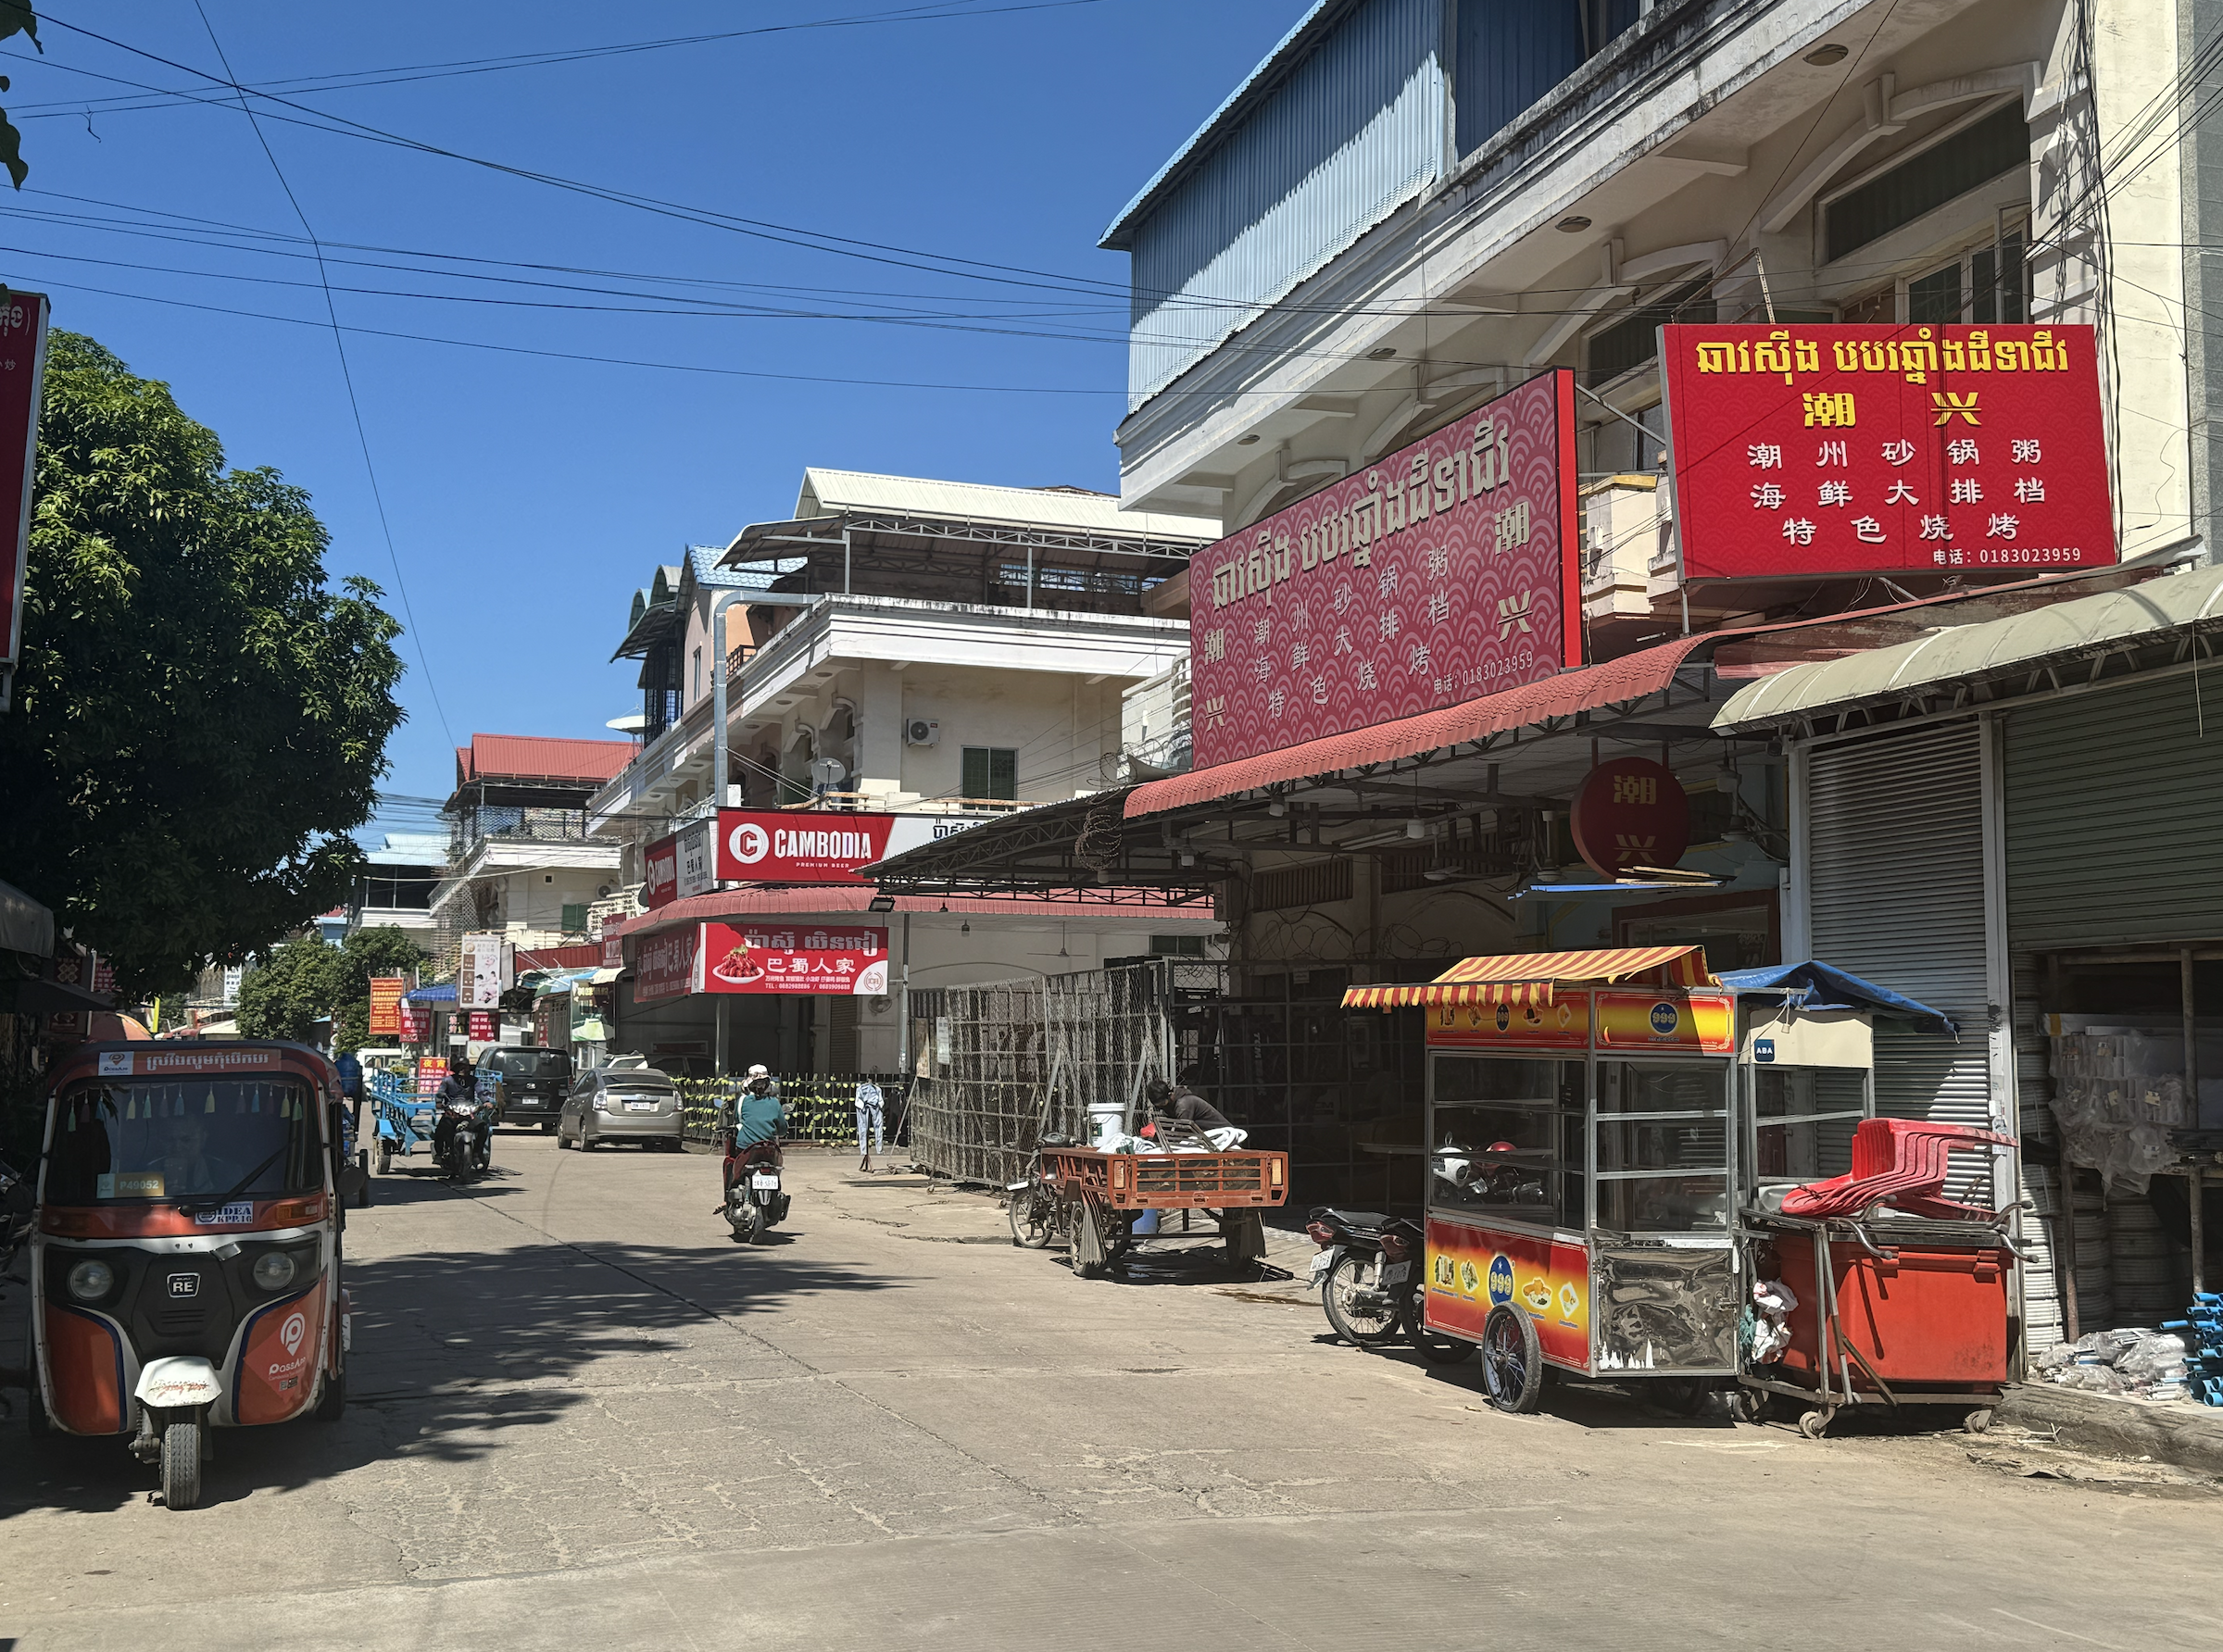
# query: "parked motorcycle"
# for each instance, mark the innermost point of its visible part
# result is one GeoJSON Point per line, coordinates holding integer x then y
{"type": "Point", "coordinates": [754, 1200]}
{"type": "Point", "coordinates": [1368, 1269]}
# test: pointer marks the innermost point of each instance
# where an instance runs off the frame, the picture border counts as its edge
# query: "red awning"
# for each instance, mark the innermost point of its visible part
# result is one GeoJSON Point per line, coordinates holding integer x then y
{"type": "Point", "coordinates": [1628, 678]}
{"type": "Point", "coordinates": [834, 899]}
{"type": "Point", "coordinates": [1528, 977]}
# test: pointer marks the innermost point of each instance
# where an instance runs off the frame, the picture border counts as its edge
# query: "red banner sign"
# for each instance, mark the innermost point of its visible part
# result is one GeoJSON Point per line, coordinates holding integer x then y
{"type": "Point", "coordinates": [415, 1024]}
{"type": "Point", "coordinates": [482, 1026]}
{"type": "Point", "coordinates": [22, 362]}
{"type": "Point", "coordinates": [385, 1005]}
{"type": "Point", "coordinates": [786, 958]}
{"type": "Point", "coordinates": [1849, 449]}
{"type": "Point", "coordinates": [1443, 572]}
{"type": "Point", "coordinates": [663, 965]}
{"type": "Point", "coordinates": [660, 863]}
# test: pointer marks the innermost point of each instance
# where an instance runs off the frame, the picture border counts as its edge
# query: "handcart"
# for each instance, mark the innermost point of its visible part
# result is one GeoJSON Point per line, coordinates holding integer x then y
{"type": "Point", "coordinates": [1101, 1197]}
{"type": "Point", "coordinates": [1889, 1313]}
{"type": "Point", "coordinates": [406, 1117]}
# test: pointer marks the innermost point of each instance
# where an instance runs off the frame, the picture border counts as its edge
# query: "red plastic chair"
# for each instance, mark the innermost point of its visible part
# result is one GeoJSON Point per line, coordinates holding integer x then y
{"type": "Point", "coordinates": [1901, 1162]}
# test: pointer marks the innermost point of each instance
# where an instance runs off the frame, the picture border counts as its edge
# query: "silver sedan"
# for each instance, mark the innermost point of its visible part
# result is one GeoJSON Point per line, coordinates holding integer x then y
{"type": "Point", "coordinates": [622, 1104]}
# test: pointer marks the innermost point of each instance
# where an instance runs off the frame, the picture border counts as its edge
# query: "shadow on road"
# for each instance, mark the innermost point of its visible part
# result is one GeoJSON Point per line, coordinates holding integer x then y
{"type": "Point", "coordinates": [452, 1355]}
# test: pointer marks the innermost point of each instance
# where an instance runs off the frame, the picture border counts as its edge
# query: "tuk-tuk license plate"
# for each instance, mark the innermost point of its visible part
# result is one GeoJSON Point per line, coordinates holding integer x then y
{"type": "Point", "coordinates": [765, 1180]}
{"type": "Point", "coordinates": [640, 1107]}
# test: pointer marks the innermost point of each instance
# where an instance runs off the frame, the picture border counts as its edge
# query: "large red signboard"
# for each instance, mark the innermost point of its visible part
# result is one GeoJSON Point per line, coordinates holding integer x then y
{"type": "Point", "coordinates": [385, 1005]}
{"type": "Point", "coordinates": [23, 361]}
{"type": "Point", "coordinates": [773, 958]}
{"type": "Point", "coordinates": [663, 965]}
{"type": "Point", "coordinates": [1828, 449]}
{"type": "Point", "coordinates": [798, 846]}
{"type": "Point", "coordinates": [660, 861]}
{"type": "Point", "coordinates": [1631, 812]}
{"type": "Point", "coordinates": [1441, 574]}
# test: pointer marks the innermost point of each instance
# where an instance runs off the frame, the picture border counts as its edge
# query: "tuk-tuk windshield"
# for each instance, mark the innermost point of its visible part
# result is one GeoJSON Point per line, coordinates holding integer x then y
{"type": "Point", "coordinates": [140, 1141]}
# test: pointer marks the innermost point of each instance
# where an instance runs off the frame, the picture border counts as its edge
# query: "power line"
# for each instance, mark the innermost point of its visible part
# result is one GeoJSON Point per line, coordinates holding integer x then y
{"type": "Point", "coordinates": [347, 378]}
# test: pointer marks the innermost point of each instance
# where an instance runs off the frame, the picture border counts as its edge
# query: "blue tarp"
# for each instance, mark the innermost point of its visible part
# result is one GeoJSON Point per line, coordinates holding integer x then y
{"type": "Point", "coordinates": [443, 993]}
{"type": "Point", "coordinates": [1817, 985]}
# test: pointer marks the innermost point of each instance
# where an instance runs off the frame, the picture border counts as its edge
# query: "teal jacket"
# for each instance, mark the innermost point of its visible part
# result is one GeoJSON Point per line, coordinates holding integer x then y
{"type": "Point", "coordinates": [758, 1119]}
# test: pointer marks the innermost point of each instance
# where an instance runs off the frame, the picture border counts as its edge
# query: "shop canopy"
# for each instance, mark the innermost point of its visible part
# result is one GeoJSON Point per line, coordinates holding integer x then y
{"type": "Point", "coordinates": [443, 993]}
{"type": "Point", "coordinates": [1528, 977]}
{"type": "Point", "coordinates": [554, 984]}
{"type": "Point", "coordinates": [2069, 644]}
{"type": "Point", "coordinates": [1817, 985]}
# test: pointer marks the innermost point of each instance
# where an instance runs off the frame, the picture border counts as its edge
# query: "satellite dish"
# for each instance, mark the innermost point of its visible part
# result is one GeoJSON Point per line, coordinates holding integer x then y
{"type": "Point", "coordinates": [828, 773]}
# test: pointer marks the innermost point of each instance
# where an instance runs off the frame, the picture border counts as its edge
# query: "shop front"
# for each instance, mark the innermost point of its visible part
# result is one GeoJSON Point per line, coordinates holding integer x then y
{"type": "Point", "coordinates": [2026, 810]}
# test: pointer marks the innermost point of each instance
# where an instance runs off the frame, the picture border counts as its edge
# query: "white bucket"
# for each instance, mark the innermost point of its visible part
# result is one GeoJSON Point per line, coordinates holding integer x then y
{"type": "Point", "coordinates": [1106, 1122]}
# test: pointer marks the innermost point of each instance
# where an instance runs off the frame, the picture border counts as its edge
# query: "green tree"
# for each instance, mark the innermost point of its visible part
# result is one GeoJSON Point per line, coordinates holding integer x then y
{"type": "Point", "coordinates": [287, 995]}
{"type": "Point", "coordinates": [202, 720]}
{"type": "Point", "coordinates": [367, 952]}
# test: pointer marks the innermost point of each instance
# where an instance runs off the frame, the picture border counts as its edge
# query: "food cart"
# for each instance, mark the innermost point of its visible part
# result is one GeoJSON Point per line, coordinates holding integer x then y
{"type": "Point", "coordinates": [1611, 1137]}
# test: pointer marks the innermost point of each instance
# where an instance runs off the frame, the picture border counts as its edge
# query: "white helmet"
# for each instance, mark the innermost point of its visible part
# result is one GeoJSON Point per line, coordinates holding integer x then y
{"type": "Point", "coordinates": [759, 1071]}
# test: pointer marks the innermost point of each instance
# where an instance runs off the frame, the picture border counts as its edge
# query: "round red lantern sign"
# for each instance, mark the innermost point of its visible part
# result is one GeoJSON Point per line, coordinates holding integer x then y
{"type": "Point", "coordinates": [1631, 812]}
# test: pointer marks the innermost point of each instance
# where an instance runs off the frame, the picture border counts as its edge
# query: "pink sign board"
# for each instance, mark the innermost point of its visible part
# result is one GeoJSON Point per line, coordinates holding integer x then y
{"type": "Point", "coordinates": [1442, 572]}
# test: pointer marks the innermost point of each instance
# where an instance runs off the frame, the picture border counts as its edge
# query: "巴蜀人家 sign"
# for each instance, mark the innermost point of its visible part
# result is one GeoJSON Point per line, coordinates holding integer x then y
{"type": "Point", "coordinates": [1440, 573]}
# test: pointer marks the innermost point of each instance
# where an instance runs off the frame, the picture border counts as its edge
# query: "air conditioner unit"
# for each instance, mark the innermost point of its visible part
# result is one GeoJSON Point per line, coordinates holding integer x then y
{"type": "Point", "coordinates": [922, 730]}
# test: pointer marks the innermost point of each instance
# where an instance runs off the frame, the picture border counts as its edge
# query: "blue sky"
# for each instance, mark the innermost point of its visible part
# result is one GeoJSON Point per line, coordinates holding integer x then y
{"type": "Point", "coordinates": [529, 495]}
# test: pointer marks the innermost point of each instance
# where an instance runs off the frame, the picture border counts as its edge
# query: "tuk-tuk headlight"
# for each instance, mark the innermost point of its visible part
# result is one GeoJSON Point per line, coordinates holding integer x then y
{"type": "Point", "coordinates": [89, 1281]}
{"type": "Point", "coordinates": [274, 1269]}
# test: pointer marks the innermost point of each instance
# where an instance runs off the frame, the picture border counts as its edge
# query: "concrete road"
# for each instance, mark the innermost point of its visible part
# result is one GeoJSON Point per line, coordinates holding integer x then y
{"type": "Point", "coordinates": [582, 1416]}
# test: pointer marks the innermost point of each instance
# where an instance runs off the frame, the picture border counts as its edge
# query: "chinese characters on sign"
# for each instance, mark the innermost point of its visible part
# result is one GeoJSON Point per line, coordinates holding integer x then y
{"type": "Point", "coordinates": [1846, 449]}
{"type": "Point", "coordinates": [1441, 574]}
{"type": "Point", "coordinates": [791, 958]}
{"type": "Point", "coordinates": [663, 965]}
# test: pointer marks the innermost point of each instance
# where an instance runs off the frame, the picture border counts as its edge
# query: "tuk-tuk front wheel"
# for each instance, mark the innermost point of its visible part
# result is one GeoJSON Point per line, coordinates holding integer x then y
{"type": "Point", "coordinates": [182, 1447]}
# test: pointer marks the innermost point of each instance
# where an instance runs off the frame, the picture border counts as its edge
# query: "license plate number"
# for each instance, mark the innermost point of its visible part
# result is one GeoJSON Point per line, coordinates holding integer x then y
{"type": "Point", "coordinates": [1322, 1263]}
{"type": "Point", "coordinates": [1396, 1273]}
{"type": "Point", "coordinates": [640, 1107]}
{"type": "Point", "coordinates": [765, 1180]}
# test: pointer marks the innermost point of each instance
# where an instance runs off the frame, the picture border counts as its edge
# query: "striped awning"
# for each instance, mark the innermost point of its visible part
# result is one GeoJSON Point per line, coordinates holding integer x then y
{"type": "Point", "coordinates": [1528, 977]}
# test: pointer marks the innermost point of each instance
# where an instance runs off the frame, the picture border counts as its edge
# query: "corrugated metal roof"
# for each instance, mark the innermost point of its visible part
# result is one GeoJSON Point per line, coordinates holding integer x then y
{"type": "Point", "coordinates": [536, 757]}
{"type": "Point", "coordinates": [1585, 690]}
{"type": "Point", "coordinates": [2083, 627]}
{"type": "Point", "coordinates": [1260, 83]}
{"type": "Point", "coordinates": [833, 899]}
{"type": "Point", "coordinates": [409, 848]}
{"type": "Point", "coordinates": [829, 492]}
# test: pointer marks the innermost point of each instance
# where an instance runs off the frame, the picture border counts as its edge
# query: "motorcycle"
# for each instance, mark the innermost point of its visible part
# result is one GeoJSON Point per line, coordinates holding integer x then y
{"type": "Point", "coordinates": [1367, 1270]}
{"type": "Point", "coordinates": [463, 1141]}
{"type": "Point", "coordinates": [755, 1202]}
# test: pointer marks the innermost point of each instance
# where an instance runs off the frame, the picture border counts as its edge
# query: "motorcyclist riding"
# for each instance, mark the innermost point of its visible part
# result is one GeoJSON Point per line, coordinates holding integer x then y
{"type": "Point", "coordinates": [460, 1088]}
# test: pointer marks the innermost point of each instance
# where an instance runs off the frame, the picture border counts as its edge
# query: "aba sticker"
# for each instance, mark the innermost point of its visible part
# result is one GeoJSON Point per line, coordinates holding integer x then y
{"type": "Point", "coordinates": [1764, 1050]}
{"type": "Point", "coordinates": [1500, 1279]}
{"type": "Point", "coordinates": [1663, 1019]}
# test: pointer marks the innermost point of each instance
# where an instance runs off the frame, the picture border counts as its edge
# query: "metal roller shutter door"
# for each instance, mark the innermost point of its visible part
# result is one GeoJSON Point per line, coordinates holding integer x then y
{"type": "Point", "coordinates": [1895, 892]}
{"type": "Point", "coordinates": [2111, 802]}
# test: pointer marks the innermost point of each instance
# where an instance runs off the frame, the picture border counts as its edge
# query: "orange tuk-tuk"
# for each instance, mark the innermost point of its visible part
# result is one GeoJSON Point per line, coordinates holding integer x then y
{"type": "Point", "coordinates": [185, 1247]}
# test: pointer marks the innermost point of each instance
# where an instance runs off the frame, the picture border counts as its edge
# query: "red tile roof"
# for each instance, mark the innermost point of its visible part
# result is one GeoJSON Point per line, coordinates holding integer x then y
{"type": "Point", "coordinates": [534, 757]}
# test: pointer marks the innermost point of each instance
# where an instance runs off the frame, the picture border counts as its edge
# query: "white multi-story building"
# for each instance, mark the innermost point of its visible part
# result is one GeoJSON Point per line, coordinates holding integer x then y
{"type": "Point", "coordinates": [397, 887]}
{"type": "Point", "coordinates": [901, 646]}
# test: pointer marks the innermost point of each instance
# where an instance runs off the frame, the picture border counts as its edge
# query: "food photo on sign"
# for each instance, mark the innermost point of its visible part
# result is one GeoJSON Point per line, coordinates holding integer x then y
{"type": "Point", "coordinates": [1443, 572]}
{"type": "Point", "coordinates": [847, 963]}
{"type": "Point", "coordinates": [1844, 449]}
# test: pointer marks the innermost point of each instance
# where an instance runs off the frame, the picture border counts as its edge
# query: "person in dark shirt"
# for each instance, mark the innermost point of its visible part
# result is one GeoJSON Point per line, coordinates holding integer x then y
{"type": "Point", "coordinates": [1182, 1102]}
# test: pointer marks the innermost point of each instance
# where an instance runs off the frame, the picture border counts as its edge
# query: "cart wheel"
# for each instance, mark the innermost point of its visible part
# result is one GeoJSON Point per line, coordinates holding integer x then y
{"type": "Point", "coordinates": [1747, 1405]}
{"type": "Point", "coordinates": [1512, 1360]}
{"type": "Point", "coordinates": [1977, 1421]}
{"type": "Point", "coordinates": [1032, 1226]}
{"type": "Point", "coordinates": [1813, 1424]}
{"type": "Point", "coordinates": [1358, 1324]}
{"type": "Point", "coordinates": [182, 1465]}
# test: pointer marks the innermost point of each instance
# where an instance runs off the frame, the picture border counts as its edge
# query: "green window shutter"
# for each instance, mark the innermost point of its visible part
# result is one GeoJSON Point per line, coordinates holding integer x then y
{"type": "Point", "coordinates": [975, 779]}
{"type": "Point", "coordinates": [1003, 773]}
{"type": "Point", "coordinates": [574, 917]}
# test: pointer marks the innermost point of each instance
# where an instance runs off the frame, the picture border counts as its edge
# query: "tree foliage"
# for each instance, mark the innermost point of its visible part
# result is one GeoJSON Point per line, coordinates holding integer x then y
{"type": "Point", "coordinates": [201, 719]}
{"type": "Point", "coordinates": [287, 995]}
{"type": "Point", "coordinates": [367, 952]}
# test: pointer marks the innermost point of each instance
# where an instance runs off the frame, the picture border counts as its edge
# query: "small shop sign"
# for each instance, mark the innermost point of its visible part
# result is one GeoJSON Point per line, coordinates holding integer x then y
{"type": "Point", "coordinates": [849, 962]}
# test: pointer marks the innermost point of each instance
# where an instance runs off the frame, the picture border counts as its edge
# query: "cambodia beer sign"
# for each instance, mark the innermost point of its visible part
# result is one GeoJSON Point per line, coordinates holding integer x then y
{"type": "Point", "coordinates": [1876, 449]}
{"type": "Point", "coordinates": [1444, 571]}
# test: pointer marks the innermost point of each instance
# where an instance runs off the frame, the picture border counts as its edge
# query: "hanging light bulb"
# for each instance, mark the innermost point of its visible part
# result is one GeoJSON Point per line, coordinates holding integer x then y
{"type": "Point", "coordinates": [1416, 828]}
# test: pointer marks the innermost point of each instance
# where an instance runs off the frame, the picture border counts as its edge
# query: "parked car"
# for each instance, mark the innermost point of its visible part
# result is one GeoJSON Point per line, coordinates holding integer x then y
{"type": "Point", "coordinates": [530, 1085]}
{"type": "Point", "coordinates": [622, 1104]}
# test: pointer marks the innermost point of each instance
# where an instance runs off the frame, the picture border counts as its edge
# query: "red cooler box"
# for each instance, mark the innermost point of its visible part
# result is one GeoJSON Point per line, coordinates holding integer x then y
{"type": "Point", "coordinates": [1933, 1314]}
